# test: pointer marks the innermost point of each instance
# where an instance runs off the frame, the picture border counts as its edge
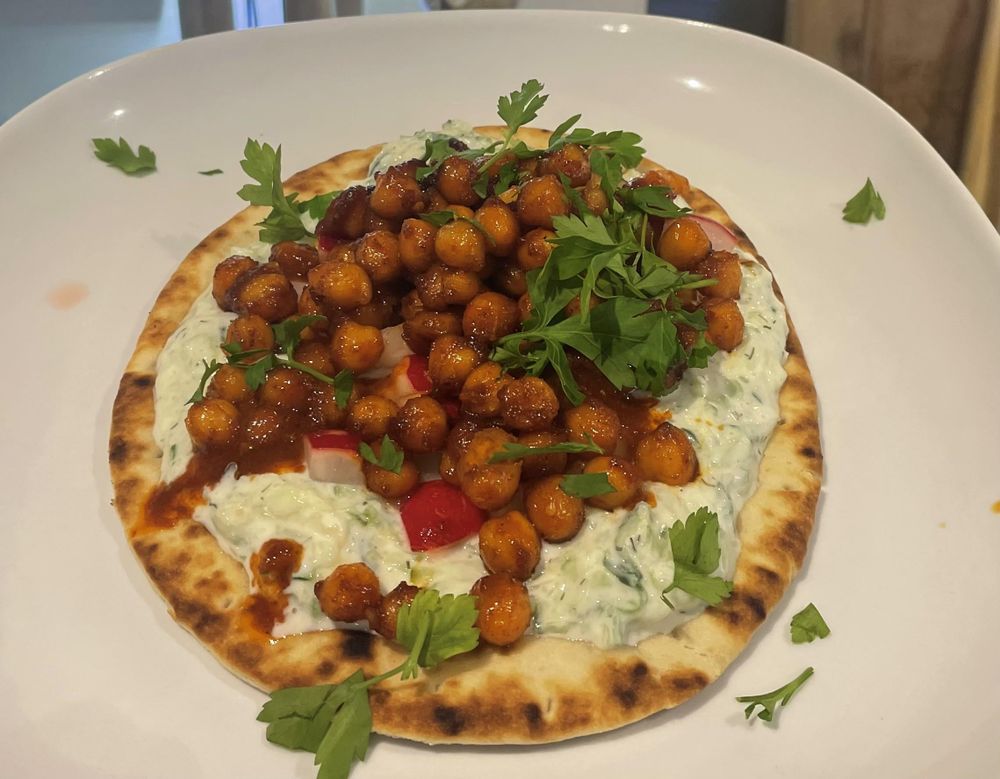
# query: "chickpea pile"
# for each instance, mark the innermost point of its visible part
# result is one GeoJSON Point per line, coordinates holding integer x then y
{"type": "Point", "coordinates": [455, 289]}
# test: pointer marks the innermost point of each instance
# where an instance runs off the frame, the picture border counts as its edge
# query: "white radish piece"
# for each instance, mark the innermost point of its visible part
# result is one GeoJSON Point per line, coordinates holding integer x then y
{"type": "Point", "coordinates": [332, 455]}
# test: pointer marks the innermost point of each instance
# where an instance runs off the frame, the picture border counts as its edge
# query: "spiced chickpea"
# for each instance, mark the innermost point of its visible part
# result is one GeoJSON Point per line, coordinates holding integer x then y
{"type": "Point", "coordinates": [356, 347]}
{"type": "Point", "coordinates": [374, 222]}
{"type": "Point", "coordinates": [411, 305]}
{"type": "Point", "coordinates": [383, 311]}
{"type": "Point", "coordinates": [343, 252]}
{"type": "Point", "coordinates": [416, 245]}
{"type": "Point", "coordinates": [397, 194]}
{"type": "Point", "coordinates": [460, 211]}
{"type": "Point", "coordinates": [347, 593]}
{"type": "Point", "coordinates": [370, 416]}
{"type": "Point", "coordinates": [510, 544]}
{"type": "Point", "coordinates": [455, 179]}
{"type": "Point", "coordinates": [622, 476]}
{"type": "Point", "coordinates": [725, 323]}
{"type": "Point", "coordinates": [309, 306]}
{"type": "Point", "coordinates": [504, 608]}
{"type": "Point", "coordinates": [528, 404]}
{"type": "Point", "coordinates": [316, 355]}
{"type": "Point", "coordinates": [534, 248]}
{"type": "Point", "coordinates": [510, 280]}
{"type": "Point", "coordinates": [489, 317]}
{"type": "Point", "coordinates": [594, 197]}
{"type": "Point", "coordinates": [556, 516]}
{"type": "Point", "coordinates": [294, 259]}
{"type": "Point", "coordinates": [524, 307]}
{"type": "Point", "coordinates": [489, 485]}
{"type": "Point", "coordinates": [378, 254]}
{"type": "Point", "coordinates": [725, 268]}
{"type": "Point", "coordinates": [536, 466]}
{"type": "Point", "coordinates": [250, 333]}
{"type": "Point", "coordinates": [595, 420]}
{"type": "Point", "coordinates": [262, 426]}
{"type": "Point", "coordinates": [435, 200]}
{"type": "Point", "coordinates": [212, 423]}
{"type": "Point", "coordinates": [286, 389]}
{"type": "Point", "coordinates": [675, 182]}
{"type": "Point", "coordinates": [340, 284]}
{"type": "Point", "coordinates": [386, 483]}
{"type": "Point", "coordinates": [541, 199]}
{"type": "Point", "coordinates": [480, 393]}
{"type": "Point", "coordinates": [230, 384]}
{"type": "Point", "coordinates": [265, 292]}
{"type": "Point", "coordinates": [683, 243]}
{"type": "Point", "coordinates": [345, 216]}
{"type": "Point", "coordinates": [425, 327]}
{"type": "Point", "coordinates": [324, 409]}
{"type": "Point", "coordinates": [440, 287]}
{"type": "Point", "coordinates": [451, 360]}
{"type": "Point", "coordinates": [571, 160]}
{"type": "Point", "coordinates": [666, 455]}
{"type": "Point", "coordinates": [500, 224]}
{"type": "Point", "coordinates": [225, 275]}
{"type": "Point", "coordinates": [421, 425]}
{"type": "Point", "coordinates": [383, 618]}
{"type": "Point", "coordinates": [461, 245]}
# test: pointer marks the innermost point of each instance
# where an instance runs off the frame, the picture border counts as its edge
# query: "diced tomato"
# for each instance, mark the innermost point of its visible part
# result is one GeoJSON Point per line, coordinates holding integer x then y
{"type": "Point", "coordinates": [437, 514]}
{"type": "Point", "coordinates": [417, 373]}
{"type": "Point", "coordinates": [332, 455]}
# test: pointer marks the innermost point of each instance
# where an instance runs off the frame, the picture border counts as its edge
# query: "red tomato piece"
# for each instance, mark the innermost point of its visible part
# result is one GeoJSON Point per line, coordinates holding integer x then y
{"type": "Point", "coordinates": [438, 514]}
{"type": "Point", "coordinates": [416, 372]}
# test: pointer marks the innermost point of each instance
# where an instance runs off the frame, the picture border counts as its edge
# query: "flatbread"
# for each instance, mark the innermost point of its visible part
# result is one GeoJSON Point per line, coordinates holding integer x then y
{"type": "Point", "coordinates": [542, 689]}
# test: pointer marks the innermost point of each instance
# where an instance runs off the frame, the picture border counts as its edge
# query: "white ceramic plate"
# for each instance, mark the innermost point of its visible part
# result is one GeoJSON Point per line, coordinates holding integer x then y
{"type": "Point", "coordinates": [900, 321]}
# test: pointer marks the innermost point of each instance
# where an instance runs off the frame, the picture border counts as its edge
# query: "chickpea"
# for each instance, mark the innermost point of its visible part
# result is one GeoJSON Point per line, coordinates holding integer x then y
{"type": "Point", "coordinates": [316, 355]}
{"type": "Point", "coordinates": [421, 426]}
{"type": "Point", "coordinates": [309, 306]}
{"type": "Point", "coordinates": [370, 416]}
{"type": "Point", "coordinates": [250, 333]}
{"type": "Point", "coordinates": [262, 426]}
{"type": "Point", "coordinates": [480, 393]}
{"type": "Point", "coordinates": [265, 292]}
{"type": "Point", "coordinates": [435, 200]}
{"type": "Point", "coordinates": [397, 194]}
{"type": "Point", "coordinates": [411, 305]}
{"type": "Point", "coordinates": [441, 287]}
{"type": "Point", "coordinates": [451, 360]}
{"type": "Point", "coordinates": [541, 199]}
{"type": "Point", "coordinates": [378, 254]}
{"type": "Point", "coordinates": [536, 466]}
{"type": "Point", "coordinates": [504, 608]}
{"type": "Point", "coordinates": [675, 182]}
{"type": "Point", "coordinates": [374, 223]}
{"type": "Point", "coordinates": [416, 245]}
{"type": "Point", "coordinates": [489, 317]}
{"type": "Point", "coordinates": [511, 280]}
{"type": "Point", "coordinates": [462, 433]}
{"type": "Point", "coordinates": [556, 516]}
{"type": "Point", "coordinates": [423, 329]}
{"type": "Point", "coordinates": [500, 224]}
{"type": "Point", "coordinates": [725, 268]}
{"type": "Point", "coordinates": [212, 423]}
{"type": "Point", "coordinates": [510, 544]}
{"type": "Point", "coordinates": [534, 248]}
{"type": "Point", "coordinates": [489, 485]}
{"type": "Point", "coordinates": [525, 307]}
{"type": "Point", "coordinates": [341, 284]}
{"type": "Point", "coordinates": [621, 474]}
{"type": "Point", "coordinates": [528, 404]}
{"type": "Point", "coordinates": [593, 195]}
{"type": "Point", "coordinates": [571, 160]}
{"type": "Point", "coordinates": [725, 323]}
{"type": "Point", "coordinates": [594, 419]}
{"type": "Point", "coordinates": [455, 179]}
{"type": "Point", "coordinates": [345, 216]}
{"type": "Point", "coordinates": [383, 619]}
{"type": "Point", "coordinates": [666, 455]}
{"type": "Point", "coordinates": [448, 469]}
{"type": "Point", "coordinates": [386, 483]}
{"type": "Point", "coordinates": [294, 259]}
{"type": "Point", "coordinates": [382, 312]}
{"type": "Point", "coordinates": [324, 409]}
{"type": "Point", "coordinates": [230, 384]}
{"type": "Point", "coordinates": [345, 252]}
{"type": "Point", "coordinates": [683, 243]}
{"type": "Point", "coordinates": [225, 276]}
{"type": "Point", "coordinates": [461, 245]}
{"type": "Point", "coordinates": [460, 211]}
{"type": "Point", "coordinates": [356, 347]}
{"type": "Point", "coordinates": [347, 593]}
{"type": "Point", "coordinates": [286, 389]}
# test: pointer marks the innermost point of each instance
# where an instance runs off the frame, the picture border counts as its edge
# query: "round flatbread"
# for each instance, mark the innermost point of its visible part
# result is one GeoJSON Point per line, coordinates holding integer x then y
{"type": "Point", "coordinates": [542, 689]}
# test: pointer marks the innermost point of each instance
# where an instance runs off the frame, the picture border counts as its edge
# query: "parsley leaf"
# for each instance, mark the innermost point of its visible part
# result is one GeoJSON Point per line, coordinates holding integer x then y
{"type": "Point", "coordinates": [521, 106]}
{"type": "Point", "coordinates": [770, 701]}
{"type": "Point", "coordinates": [317, 206]}
{"type": "Point", "coordinates": [343, 385]}
{"type": "Point", "coordinates": [263, 164]}
{"type": "Point", "coordinates": [120, 155]}
{"type": "Point", "coordinates": [586, 485]}
{"type": "Point", "coordinates": [515, 451]}
{"type": "Point", "coordinates": [212, 172]}
{"type": "Point", "coordinates": [210, 369]}
{"type": "Point", "coordinates": [864, 205]}
{"type": "Point", "coordinates": [451, 630]}
{"type": "Point", "coordinates": [390, 457]}
{"type": "Point", "coordinates": [808, 625]}
{"type": "Point", "coordinates": [695, 547]}
{"type": "Point", "coordinates": [438, 218]}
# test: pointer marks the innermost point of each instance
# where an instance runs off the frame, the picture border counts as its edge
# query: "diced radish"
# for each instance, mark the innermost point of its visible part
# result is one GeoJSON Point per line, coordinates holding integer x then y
{"type": "Point", "coordinates": [332, 455]}
{"type": "Point", "coordinates": [407, 380]}
{"type": "Point", "coordinates": [396, 349]}
{"type": "Point", "coordinates": [417, 373]}
{"type": "Point", "coordinates": [720, 236]}
{"type": "Point", "coordinates": [437, 514]}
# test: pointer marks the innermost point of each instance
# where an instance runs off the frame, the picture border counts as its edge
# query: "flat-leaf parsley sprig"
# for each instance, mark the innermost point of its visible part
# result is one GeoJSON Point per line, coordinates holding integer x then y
{"type": "Point", "coordinates": [770, 701]}
{"type": "Point", "coordinates": [334, 721]}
